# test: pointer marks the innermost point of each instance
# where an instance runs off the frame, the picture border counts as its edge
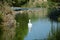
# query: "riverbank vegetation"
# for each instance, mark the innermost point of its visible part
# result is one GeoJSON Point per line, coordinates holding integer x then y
{"type": "Point", "coordinates": [26, 3]}
{"type": "Point", "coordinates": [16, 25]}
{"type": "Point", "coordinates": [7, 22]}
{"type": "Point", "coordinates": [54, 34]}
{"type": "Point", "coordinates": [1, 30]}
{"type": "Point", "coordinates": [12, 27]}
{"type": "Point", "coordinates": [22, 26]}
{"type": "Point", "coordinates": [54, 15]}
{"type": "Point", "coordinates": [16, 3]}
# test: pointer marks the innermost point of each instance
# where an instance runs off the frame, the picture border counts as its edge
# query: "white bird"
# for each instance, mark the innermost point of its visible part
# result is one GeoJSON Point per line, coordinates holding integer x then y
{"type": "Point", "coordinates": [29, 25]}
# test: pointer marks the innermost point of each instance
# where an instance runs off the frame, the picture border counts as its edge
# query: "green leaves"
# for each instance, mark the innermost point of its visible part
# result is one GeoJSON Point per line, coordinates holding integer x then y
{"type": "Point", "coordinates": [57, 1]}
{"type": "Point", "coordinates": [22, 29]}
{"type": "Point", "coordinates": [15, 2]}
{"type": "Point", "coordinates": [19, 2]}
{"type": "Point", "coordinates": [1, 18]}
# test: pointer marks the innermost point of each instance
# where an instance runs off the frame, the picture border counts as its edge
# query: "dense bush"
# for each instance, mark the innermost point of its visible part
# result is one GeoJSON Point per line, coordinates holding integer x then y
{"type": "Point", "coordinates": [22, 27]}
{"type": "Point", "coordinates": [54, 14]}
{"type": "Point", "coordinates": [57, 1]}
{"type": "Point", "coordinates": [1, 20]}
{"type": "Point", "coordinates": [1, 31]}
{"type": "Point", "coordinates": [55, 35]}
{"type": "Point", "coordinates": [15, 2]}
{"type": "Point", "coordinates": [19, 2]}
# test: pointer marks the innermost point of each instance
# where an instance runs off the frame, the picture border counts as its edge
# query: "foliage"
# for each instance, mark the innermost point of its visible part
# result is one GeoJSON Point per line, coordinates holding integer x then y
{"type": "Point", "coordinates": [55, 35]}
{"type": "Point", "coordinates": [1, 20]}
{"type": "Point", "coordinates": [5, 22]}
{"type": "Point", "coordinates": [7, 1]}
{"type": "Point", "coordinates": [19, 2]}
{"type": "Point", "coordinates": [22, 27]}
{"type": "Point", "coordinates": [51, 4]}
{"type": "Point", "coordinates": [57, 1]}
{"type": "Point", "coordinates": [44, 4]}
{"type": "Point", "coordinates": [38, 5]}
{"type": "Point", "coordinates": [54, 14]}
{"type": "Point", "coordinates": [1, 32]}
{"type": "Point", "coordinates": [15, 2]}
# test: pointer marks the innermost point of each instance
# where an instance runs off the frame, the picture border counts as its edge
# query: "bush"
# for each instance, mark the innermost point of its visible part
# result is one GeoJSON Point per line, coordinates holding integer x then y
{"type": "Point", "coordinates": [1, 31]}
{"type": "Point", "coordinates": [57, 1]}
{"type": "Point", "coordinates": [22, 27]}
{"type": "Point", "coordinates": [54, 14]}
{"type": "Point", "coordinates": [55, 35]}
{"type": "Point", "coordinates": [15, 2]}
{"type": "Point", "coordinates": [19, 2]}
{"type": "Point", "coordinates": [1, 20]}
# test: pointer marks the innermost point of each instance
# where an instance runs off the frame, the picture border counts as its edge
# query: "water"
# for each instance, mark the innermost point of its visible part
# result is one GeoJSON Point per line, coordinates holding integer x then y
{"type": "Point", "coordinates": [40, 28]}
{"type": "Point", "coordinates": [41, 25]}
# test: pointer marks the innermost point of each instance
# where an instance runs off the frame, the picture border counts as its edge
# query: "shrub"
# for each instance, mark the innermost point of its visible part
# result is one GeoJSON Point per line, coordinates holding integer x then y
{"type": "Point", "coordinates": [22, 29]}
{"type": "Point", "coordinates": [57, 1]}
{"type": "Point", "coordinates": [1, 20]}
{"type": "Point", "coordinates": [19, 2]}
{"type": "Point", "coordinates": [54, 35]}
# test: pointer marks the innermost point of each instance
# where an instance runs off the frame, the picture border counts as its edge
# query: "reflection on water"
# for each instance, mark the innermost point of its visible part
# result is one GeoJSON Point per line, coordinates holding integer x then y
{"type": "Point", "coordinates": [29, 25]}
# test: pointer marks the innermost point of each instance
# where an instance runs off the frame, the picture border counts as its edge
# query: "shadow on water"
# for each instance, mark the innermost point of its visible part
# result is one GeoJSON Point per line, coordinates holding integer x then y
{"type": "Point", "coordinates": [54, 34]}
{"type": "Point", "coordinates": [22, 27]}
